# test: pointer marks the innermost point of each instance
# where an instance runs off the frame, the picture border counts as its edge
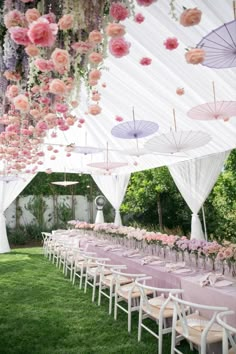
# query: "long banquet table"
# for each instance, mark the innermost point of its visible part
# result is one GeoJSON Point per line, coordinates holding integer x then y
{"type": "Point", "coordinates": [189, 282]}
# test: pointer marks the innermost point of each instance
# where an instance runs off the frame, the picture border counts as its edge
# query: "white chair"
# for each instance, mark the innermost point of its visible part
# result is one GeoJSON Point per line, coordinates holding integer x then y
{"type": "Point", "coordinates": [92, 273]}
{"type": "Point", "coordinates": [46, 240]}
{"type": "Point", "coordinates": [81, 264]}
{"type": "Point", "coordinates": [199, 330]}
{"type": "Point", "coordinates": [229, 333]}
{"type": "Point", "coordinates": [129, 293]}
{"type": "Point", "coordinates": [159, 307]}
{"type": "Point", "coordinates": [107, 282]}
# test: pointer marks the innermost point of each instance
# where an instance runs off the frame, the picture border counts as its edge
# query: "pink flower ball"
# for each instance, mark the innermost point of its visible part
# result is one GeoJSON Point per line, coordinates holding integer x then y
{"type": "Point", "coordinates": [53, 157]}
{"type": "Point", "coordinates": [21, 103]}
{"type": "Point", "coordinates": [190, 17]}
{"type": "Point", "coordinates": [44, 65]}
{"type": "Point", "coordinates": [119, 47]}
{"type": "Point", "coordinates": [64, 127]}
{"type": "Point", "coordinates": [19, 35]}
{"type": "Point", "coordinates": [53, 135]}
{"type": "Point", "coordinates": [118, 11]}
{"type": "Point", "coordinates": [60, 59]}
{"type": "Point", "coordinates": [74, 104]}
{"type": "Point", "coordinates": [81, 120]}
{"type": "Point", "coordinates": [82, 47]}
{"type": "Point", "coordinates": [195, 56]}
{"type": "Point", "coordinates": [68, 154]}
{"type": "Point", "coordinates": [119, 119]}
{"type": "Point", "coordinates": [171, 43]}
{"type": "Point", "coordinates": [31, 50]}
{"type": "Point", "coordinates": [96, 97]}
{"type": "Point", "coordinates": [95, 37]}
{"type": "Point", "coordinates": [145, 2]}
{"type": "Point", "coordinates": [95, 58]}
{"type": "Point", "coordinates": [42, 125]}
{"type": "Point", "coordinates": [32, 15]}
{"type": "Point", "coordinates": [115, 30]}
{"type": "Point", "coordinates": [50, 17]}
{"type": "Point", "coordinates": [95, 74]}
{"type": "Point", "coordinates": [48, 171]}
{"type": "Point", "coordinates": [61, 108]}
{"type": "Point", "coordinates": [42, 33]}
{"type": "Point", "coordinates": [180, 91]}
{"type": "Point", "coordinates": [66, 22]}
{"type": "Point", "coordinates": [139, 18]}
{"type": "Point", "coordinates": [70, 121]}
{"type": "Point", "coordinates": [145, 61]}
{"type": "Point", "coordinates": [94, 109]}
{"type": "Point", "coordinates": [57, 87]}
{"type": "Point", "coordinates": [13, 18]}
{"type": "Point", "coordinates": [12, 91]}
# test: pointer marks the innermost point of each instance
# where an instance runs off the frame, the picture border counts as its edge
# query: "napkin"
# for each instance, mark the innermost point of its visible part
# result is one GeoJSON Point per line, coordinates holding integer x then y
{"type": "Point", "coordinates": [210, 279]}
{"type": "Point", "coordinates": [171, 267]}
{"type": "Point", "coordinates": [130, 253]}
{"type": "Point", "coordinates": [149, 259]}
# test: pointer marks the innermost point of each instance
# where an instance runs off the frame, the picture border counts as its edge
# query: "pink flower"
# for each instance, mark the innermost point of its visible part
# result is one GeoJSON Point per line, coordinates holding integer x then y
{"type": "Point", "coordinates": [12, 91]}
{"type": "Point", "coordinates": [180, 91]}
{"type": "Point", "coordinates": [82, 47]}
{"type": "Point", "coordinates": [13, 18]}
{"type": "Point", "coordinates": [171, 43]}
{"type": "Point", "coordinates": [48, 171]}
{"type": "Point", "coordinates": [145, 2]}
{"type": "Point", "coordinates": [42, 33]}
{"type": "Point", "coordinates": [61, 108]}
{"type": "Point", "coordinates": [66, 22]}
{"type": "Point", "coordinates": [44, 65]}
{"type": "Point", "coordinates": [42, 125]}
{"type": "Point", "coordinates": [119, 119]}
{"type": "Point", "coordinates": [19, 35]}
{"type": "Point", "coordinates": [118, 11]}
{"type": "Point", "coordinates": [12, 75]}
{"type": "Point", "coordinates": [26, 1]}
{"type": "Point", "coordinates": [95, 37]}
{"type": "Point", "coordinates": [57, 87]}
{"type": "Point", "coordinates": [74, 104]}
{"type": "Point", "coordinates": [50, 17]}
{"type": "Point", "coordinates": [190, 17]}
{"type": "Point", "coordinates": [92, 82]}
{"type": "Point", "coordinates": [32, 15]}
{"type": "Point", "coordinates": [119, 47]}
{"type": "Point", "coordinates": [195, 56]}
{"type": "Point", "coordinates": [21, 103]}
{"type": "Point", "coordinates": [94, 109]}
{"type": "Point", "coordinates": [139, 18]}
{"type": "Point", "coordinates": [60, 59]}
{"type": "Point", "coordinates": [145, 61]}
{"type": "Point", "coordinates": [95, 74]}
{"type": "Point", "coordinates": [115, 30]}
{"type": "Point", "coordinates": [32, 50]}
{"type": "Point", "coordinates": [95, 58]}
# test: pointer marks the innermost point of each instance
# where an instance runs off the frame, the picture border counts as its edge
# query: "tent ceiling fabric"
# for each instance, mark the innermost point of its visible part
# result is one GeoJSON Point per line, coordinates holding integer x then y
{"type": "Point", "coordinates": [151, 90]}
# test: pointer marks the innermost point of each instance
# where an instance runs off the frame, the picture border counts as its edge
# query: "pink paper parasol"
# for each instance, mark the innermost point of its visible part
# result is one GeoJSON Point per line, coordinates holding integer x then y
{"type": "Point", "coordinates": [213, 110]}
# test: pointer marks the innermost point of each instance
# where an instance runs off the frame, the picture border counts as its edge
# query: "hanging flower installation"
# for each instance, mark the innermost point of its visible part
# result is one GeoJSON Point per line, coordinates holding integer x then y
{"type": "Point", "coordinates": [48, 49]}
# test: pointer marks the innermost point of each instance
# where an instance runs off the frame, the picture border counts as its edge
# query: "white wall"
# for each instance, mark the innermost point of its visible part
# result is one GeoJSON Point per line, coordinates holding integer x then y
{"type": "Point", "coordinates": [83, 208]}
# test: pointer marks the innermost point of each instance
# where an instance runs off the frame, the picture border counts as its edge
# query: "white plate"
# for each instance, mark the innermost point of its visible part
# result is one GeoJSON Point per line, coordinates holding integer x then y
{"type": "Point", "coordinates": [134, 255]}
{"type": "Point", "coordinates": [222, 283]}
{"type": "Point", "coordinates": [182, 270]}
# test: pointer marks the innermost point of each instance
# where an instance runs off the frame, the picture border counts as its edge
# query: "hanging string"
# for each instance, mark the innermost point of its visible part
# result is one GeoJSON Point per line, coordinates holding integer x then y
{"type": "Point", "coordinates": [175, 125]}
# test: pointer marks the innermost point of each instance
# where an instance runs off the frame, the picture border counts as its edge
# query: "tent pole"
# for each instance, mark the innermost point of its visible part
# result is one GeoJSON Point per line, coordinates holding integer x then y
{"type": "Point", "coordinates": [204, 223]}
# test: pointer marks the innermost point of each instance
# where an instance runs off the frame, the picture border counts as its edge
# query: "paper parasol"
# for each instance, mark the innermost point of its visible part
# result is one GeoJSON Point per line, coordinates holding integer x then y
{"type": "Point", "coordinates": [213, 110]}
{"type": "Point", "coordinates": [107, 165]}
{"type": "Point", "coordinates": [220, 47]}
{"type": "Point", "coordinates": [134, 152]}
{"type": "Point", "coordinates": [134, 129]}
{"type": "Point", "coordinates": [65, 183]}
{"type": "Point", "coordinates": [87, 150]}
{"type": "Point", "coordinates": [177, 141]}
{"type": "Point", "coordinates": [10, 178]}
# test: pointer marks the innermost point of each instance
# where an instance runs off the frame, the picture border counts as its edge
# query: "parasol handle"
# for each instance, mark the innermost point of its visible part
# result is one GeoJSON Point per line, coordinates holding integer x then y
{"type": "Point", "coordinates": [107, 157]}
{"type": "Point", "coordinates": [234, 9]}
{"type": "Point", "coordinates": [175, 125]}
{"type": "Point", "coordinates": [214, 93]}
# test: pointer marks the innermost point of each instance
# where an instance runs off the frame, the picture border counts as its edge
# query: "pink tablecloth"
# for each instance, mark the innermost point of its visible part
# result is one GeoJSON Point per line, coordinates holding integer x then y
{"type": "Point", "coordinates": [189, 282]}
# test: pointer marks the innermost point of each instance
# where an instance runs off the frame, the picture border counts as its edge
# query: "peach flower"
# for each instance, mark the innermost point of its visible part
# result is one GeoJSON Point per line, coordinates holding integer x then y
{"type": "Point", "coordinates": [190, 17]}
{"type": "Point", "coordinates": [12, 75]}
{"type": "Point", "coordinates": [95, 37]}
{"type": "Point", "coordinates": [32, 15]}
{"type": "Point", "coordinates": [21, 103]}
{"type": "Point", "coordinates": [180, 91]}
{"type": "Point", "coordinates": [19, 35]}
{"type": "Point", "coordinates": [42, 33]}
{"type": "Point", "coordinates": [57, 87]}
{"type": "Point", "coordinates": [32, 50]}
{"type": "Point", "coordinates": [195, 56]}
{"type": "Point", "coordinates": [13, 18]}
{"type": "Point", "coordinates": [12, 91]}
{"type": "Point", "coordinates": [74, 104]}
{"type": "Point", "coordinates": [61, 59]}
{"type": "Point", "coordinates": [66, 22]}
{"type": "Point", "coordinates": [94, 109]}
{"type": "Point", "coordinates": [115, 30]}
{"type": "Point", "coordinates": [95, 58]}
{"type": "Point", "coordinates": [92, 82]}
{"type": "Point", "coordinates": [95, 74]}
{"type": "Point", "coordinates": [96, 97]}
{"type": "Point", "coordinates": [119, 47]}
{"type": "Point", "coordinates": [118, 11]}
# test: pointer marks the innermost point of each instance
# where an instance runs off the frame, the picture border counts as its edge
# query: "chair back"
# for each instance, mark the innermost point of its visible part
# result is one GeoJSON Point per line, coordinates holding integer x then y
{"type": "Point", "coordinates": [228, 332]}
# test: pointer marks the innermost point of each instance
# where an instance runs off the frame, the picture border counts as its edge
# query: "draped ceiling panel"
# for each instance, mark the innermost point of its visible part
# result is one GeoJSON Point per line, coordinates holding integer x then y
{"type": "Point", "coordinates": [151, 90]}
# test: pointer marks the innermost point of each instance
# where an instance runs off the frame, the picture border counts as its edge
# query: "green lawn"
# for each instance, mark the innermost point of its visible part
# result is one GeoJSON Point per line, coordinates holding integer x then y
{"type": "Point", "coordinates": [41, 312]}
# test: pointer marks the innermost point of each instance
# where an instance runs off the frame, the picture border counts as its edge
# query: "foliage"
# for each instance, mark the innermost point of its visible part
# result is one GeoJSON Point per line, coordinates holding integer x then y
{"type": "Point", "coordinates": [37, 206]}
{"type": "Point", "coordinates": [64, 213]}
{"type": "Point", "coordinates": [42, 313]}
{"type": "Point", "coordinates": [142, 195]}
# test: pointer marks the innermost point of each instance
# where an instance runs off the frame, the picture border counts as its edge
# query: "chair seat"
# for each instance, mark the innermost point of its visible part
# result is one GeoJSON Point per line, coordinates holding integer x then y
{"type": "Point", "coordinates": [154, 306]}
{"type": "Point", "coordinates": [124, 291]}
{"type": "Point", "coordinates": [108, 279]}
{"type": "Point", "coordinates": [92, 271]}
{"type": "Point", "coordinates": [196, 325]}
{"type": "Point", "coordinates": [232, 351]}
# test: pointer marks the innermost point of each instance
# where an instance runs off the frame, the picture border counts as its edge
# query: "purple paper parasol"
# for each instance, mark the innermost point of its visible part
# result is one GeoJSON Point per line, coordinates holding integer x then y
{"type": "Point", "coordinates": [213, 110]}
{"type": "Point", "coordinates": [220, 47]}
{"type": "Point", "coordinates": [134, 129]}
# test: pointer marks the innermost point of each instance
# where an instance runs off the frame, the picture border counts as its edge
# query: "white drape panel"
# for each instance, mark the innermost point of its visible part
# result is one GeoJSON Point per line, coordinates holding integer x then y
{"type": "Point", "coordinates": [195, 180]}
{"type": "Point", "coordinates": [113, 188]}
{"type": "Point", "coordinates": [8, 193]}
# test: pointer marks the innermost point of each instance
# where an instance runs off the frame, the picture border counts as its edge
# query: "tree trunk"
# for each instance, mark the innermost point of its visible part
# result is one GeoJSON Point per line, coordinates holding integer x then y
{"type": "Point", "coordinates": [18, 212]}
{"type": "Point", "coordinates": [159, 211]}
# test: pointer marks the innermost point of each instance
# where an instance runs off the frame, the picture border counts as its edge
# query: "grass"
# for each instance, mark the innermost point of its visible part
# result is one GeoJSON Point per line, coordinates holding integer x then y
{"type": "Point", "coordinates": [41, 312]}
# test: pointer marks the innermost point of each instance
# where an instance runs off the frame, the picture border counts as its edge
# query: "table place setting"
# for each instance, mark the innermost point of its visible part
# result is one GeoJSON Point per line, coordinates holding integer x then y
{"type": "Point", "coordinates": [152, 260]}
{"type": "Point", "coordinates": [131, 253]}
{"type": "Point", "coordinates": [177, 268]}
{"type": "Point", "coordinates": [214, 280]}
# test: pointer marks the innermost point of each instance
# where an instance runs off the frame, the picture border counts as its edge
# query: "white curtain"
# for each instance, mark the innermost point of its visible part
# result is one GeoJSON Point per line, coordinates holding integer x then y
{"type": "Point", "coordinates": [8, 193]}
{"type": "Point", "coordinates": [195, 180]}
{"type": "Point", "coordinates": [113, 188]}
